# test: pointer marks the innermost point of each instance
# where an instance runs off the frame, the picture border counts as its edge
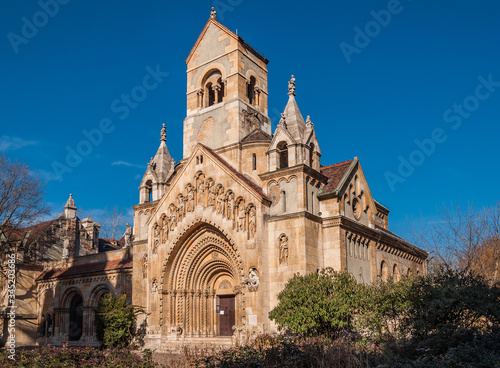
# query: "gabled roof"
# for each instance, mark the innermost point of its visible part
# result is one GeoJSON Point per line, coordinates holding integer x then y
{"type": "Point", "coordinates": [216, 23]}
{"type": "Point", "coordinates": [256, 135]}
{"type": "Point", "coordinates": [85, 269]}
{"type": "Point", "coordinates": [335, 173]}
{"type": "Point", "coordinates": [257, 189]}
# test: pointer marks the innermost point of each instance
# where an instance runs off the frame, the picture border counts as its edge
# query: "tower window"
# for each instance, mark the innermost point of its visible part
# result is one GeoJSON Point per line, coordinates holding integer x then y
{"type": "Point", "coordinates": [251, 90]}
{"type": "Point", "coordinates": [283, 154]}
{"type": "Point", "coordinates": [311, 156]}
{"type": "Point", "coordinates": [211, 94]}
{"type": "Point", "coordinates": [149, 191]}
{"type": "Point", "coordinates": [254, 161]}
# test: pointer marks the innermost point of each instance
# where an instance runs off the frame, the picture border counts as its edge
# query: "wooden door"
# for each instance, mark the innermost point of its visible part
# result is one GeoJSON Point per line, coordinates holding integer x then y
{"type": "Point", "coordinates": [226, 315]}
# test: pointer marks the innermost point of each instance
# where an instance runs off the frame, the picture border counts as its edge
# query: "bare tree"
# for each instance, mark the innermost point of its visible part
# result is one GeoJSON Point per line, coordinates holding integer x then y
{"type": "Point", "coordinates": [21, 198]}
{"type": "Point", "coordinates": [466, 239]}
{"type": "Point", "coordinates": [112, 223]}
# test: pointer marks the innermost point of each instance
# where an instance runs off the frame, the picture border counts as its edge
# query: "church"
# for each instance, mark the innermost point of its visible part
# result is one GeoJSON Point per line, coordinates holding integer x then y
{"type": "Point", "coordinates": [217, 235]}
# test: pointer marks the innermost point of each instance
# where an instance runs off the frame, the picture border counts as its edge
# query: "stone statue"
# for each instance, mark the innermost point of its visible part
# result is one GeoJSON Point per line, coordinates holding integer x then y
{"type": "Point", "coordinates": [220, 201]}
{"type": "Point", "coordinates": [241, 216]}
{"type": "Point", "coordinates": [213, 14]}
{"type": "Point", "coordinates": [154, 287]}
{"type": "Point", "coordinates": [201, 190]}
{"type": "Point", "coordinates": [212, 192]}
{"type": "Point", "coordinates": [230, 206]}
{"type": "Point", "coordinates": [283, 258]}
{"type": "Point", "coordinates": [253, 280]}
{"type": "Point", "coordinates": [156, 238]}
{"type": "Point", "coordinates": [190, 198]}
{"type": "Point", "coordinates": [291, 86]}
{"type": "Point", "coordinates": [163, 133]}
{"type": "Point", "coordinates": [127, 236]}
{"type": "Point", "coordinates": [252, 226]}
{"type": "Point", "coordinates": [164, 229]}
{"type": "Point", "coordinates": [180, 208]}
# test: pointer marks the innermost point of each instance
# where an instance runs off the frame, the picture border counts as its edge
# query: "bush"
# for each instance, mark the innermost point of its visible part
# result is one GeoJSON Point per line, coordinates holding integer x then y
{"type": "Point", "coordinates": [448, 300]}
{"type": "Point", "coordinates": [115, 321]}
{"type": "Point", "coordinates": [318, 303]}
{"type": "Point", "coordinates": [384, 305]}
{"type": "Point", "coordinates": [50, 357]}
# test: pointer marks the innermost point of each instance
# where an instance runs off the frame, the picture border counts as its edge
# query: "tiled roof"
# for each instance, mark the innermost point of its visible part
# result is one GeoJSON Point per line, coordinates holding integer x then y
{"type": "Point", "coordinates": [334, 173]}
{"type": "Point", "coordinates": [256, 136]}
{"type": "Point", "coordinates": [110, 244]}
{"type": "Point", "coordinates": [84, 269]}
{"type": "Point", "coordinates": [250, 183]}
{"type": "Point", "coordinates": [35, 231]}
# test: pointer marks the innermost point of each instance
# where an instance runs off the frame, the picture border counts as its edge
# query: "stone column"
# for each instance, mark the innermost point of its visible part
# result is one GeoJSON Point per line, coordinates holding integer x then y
{"type": "Point", "coordinates": [216, 89]}
{"type": "Point", "coordinates": [212, 313]}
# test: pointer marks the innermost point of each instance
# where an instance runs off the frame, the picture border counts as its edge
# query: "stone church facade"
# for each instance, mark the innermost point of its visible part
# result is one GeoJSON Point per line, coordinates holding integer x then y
{"type": "Point", "coordinates": [218, 234]}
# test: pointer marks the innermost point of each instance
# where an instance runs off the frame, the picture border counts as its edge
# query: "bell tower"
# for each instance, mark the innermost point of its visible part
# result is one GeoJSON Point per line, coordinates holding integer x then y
{"type": "Point", "coordinates": [226, 91]}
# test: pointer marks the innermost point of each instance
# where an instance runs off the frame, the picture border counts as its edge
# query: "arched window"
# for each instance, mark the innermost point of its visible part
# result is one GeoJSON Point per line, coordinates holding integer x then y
{"type": "Point", "coordinates": [283, 201]}
{"type": "Point", "coordinates": [211, 94]}
{"type": "Point", "coordinates": [395, 272]}
{"type": "Point", "coordinates": [149, 191]}
{"type": "Point", "coordinates": [42, 326]}
{"type": "Point", "coordinates": [283, 154]}
{"type": "Point", "coordinates": [251, 90]}
{"type": "Point", "coordinates": [384, 271]}
{"type": "Point", "coordinates": [254, 161]}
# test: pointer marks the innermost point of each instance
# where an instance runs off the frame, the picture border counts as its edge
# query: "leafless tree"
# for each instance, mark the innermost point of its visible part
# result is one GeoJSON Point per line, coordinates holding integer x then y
{"type": "Point", "coordinates": [112, 223]}
{"type": "Point", "coordinates": [21, 198]}
{"type": "Point", "coordinates": [467, 239]}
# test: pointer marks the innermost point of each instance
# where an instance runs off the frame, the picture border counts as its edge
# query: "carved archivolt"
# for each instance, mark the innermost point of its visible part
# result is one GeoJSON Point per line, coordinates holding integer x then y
{"type": "Point", "coordinates": [201, 257]}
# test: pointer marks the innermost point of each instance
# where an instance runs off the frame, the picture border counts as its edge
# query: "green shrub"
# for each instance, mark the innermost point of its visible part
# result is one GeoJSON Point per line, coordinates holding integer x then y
{"type": "Point", "coordinates": [318, 303]}
{"type": "Point", "coordinates": [51, 357]}
{"type": "Point", "coordinates": [115, 321]}
{"type": "Point", "coordinates": [448, 300]}
{"type": "Point", "coordinates": [383, 307]}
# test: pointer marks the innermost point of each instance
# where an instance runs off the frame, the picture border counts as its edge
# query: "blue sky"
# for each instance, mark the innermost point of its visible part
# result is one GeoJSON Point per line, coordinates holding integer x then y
{"type": "Point", "coordinates": [380, 79]}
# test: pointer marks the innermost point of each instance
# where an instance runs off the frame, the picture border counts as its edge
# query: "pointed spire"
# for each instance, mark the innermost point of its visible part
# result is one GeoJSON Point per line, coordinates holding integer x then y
{"type": "Point", "coordinates": [291, 86]}
{"type": "Point", "coordinates": [213, 14]}
{"type": "Point", "coordinates": [163, 133]}
{"type": "Point", "coordinates": [70, 203]}
{"type": "Point", "coordinates": [70, 208]}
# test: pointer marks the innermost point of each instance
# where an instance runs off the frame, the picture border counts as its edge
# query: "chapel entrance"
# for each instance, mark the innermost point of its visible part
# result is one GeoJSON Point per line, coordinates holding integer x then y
{"type": "Point", "coordinates": [226, 315]}
{"type": "Point", "coordinates": [75, 318]}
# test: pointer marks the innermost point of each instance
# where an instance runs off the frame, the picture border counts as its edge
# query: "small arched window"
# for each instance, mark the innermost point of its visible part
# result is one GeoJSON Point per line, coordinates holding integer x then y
{"type": "Point", "coordinates": [211, 94]}
{"type": "Point", "coordinates": [42, 326]}
{"type": "Point", "coordinates": [149, 191]}
{"type": "Point", "coordinates": [384, 271]}
{"type": "Point", "coordinates": [254, 161]}
{"type": "Point", "coordinates": [283, 154]}
{"type": "Point", "coordinates": [395, 272]}
{"type": "Point", "coordinates": [311, 156]}
{"type": "Point", "coordinates": [222, 91]}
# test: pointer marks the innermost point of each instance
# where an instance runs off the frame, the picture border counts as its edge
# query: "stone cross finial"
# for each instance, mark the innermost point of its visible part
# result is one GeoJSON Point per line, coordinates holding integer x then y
{"type": "Point", "coordinates": [163, 133]}
{"type": "Point", "coordinates": [213, 14]}
{"type": "Point", "coordinates": [291, 86]}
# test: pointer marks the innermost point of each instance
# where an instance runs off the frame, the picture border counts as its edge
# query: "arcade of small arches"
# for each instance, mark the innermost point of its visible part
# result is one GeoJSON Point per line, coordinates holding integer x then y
{"type": "Point", "coordinates": [213, 89]}
{"type": "Point", "coordinates": [74, 319]}
{"type": "Point", "coordinates": [395, 272]}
